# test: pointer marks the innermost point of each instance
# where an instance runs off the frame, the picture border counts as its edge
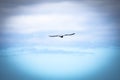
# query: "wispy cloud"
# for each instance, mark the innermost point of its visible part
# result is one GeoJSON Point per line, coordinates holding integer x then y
{"type": "Point", "coordinates": [71, 17]}
{"type": "Point", "coordinates": [38, 21]}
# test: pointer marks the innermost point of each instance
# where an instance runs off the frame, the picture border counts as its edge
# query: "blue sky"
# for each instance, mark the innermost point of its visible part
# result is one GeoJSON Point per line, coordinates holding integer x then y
{"type": "Point", "coordinates": [84, 54]}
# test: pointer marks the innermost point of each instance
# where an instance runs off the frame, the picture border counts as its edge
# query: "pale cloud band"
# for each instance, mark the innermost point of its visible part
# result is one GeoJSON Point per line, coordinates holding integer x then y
{"type": "Point", "coordinates": [39, 21]}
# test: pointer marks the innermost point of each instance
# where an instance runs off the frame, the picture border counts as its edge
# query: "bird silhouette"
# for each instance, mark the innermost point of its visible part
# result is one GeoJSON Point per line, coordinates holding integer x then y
{"type": "Point", "coordinates": [61, 36]}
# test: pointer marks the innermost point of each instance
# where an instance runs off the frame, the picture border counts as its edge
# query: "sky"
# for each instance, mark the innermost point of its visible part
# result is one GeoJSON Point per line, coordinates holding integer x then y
{"type": "Point", "coordinates": [28, 53]}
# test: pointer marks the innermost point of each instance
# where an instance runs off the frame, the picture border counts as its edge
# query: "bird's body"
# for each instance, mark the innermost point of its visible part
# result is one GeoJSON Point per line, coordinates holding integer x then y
{"type": "Point", "coordinates": [61, 36]}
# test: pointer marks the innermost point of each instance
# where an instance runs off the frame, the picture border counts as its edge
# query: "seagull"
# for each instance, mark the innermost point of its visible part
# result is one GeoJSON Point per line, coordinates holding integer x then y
{"type": "Point", "coordinates": [61, 36]}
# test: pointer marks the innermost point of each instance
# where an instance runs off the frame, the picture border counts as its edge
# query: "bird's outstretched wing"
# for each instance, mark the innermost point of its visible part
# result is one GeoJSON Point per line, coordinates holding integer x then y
{"type": "Point", "coordinates": [69, 34]}
{"type": "Point", "coordinates": [53, 35]}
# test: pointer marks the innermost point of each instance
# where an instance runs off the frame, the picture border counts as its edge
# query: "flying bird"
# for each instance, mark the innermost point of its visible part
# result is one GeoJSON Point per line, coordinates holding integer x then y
{"type": "Point", "coordinates": [61, 36]}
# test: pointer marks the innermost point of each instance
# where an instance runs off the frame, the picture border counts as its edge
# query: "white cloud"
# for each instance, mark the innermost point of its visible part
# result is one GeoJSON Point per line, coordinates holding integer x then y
{"type": "Point", "coordinates": [86, 23]}
{"type": "Point", "coordinates": [58, 22]}
{"type": "Point", "coordinates": [65, 16]}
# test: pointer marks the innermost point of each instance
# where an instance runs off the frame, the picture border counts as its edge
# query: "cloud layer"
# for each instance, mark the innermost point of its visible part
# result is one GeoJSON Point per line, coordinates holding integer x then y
{"type": "Point", "coordinates": [38, 21]}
